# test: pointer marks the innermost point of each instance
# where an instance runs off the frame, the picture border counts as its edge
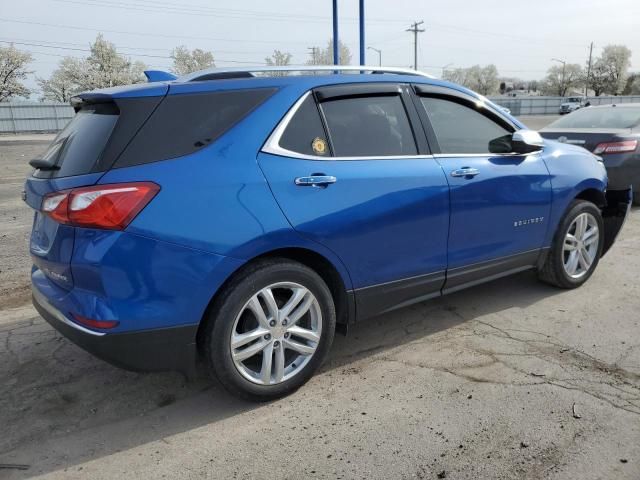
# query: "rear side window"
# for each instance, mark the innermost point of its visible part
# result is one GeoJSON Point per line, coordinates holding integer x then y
{"type": "Point", "coordinates": [461, 129]}
{"type": "Point", "coordinates": [305, 133]}
{"type": "Point", "coordinates": [369, 126]}
{"type": "Point", "coordinates": [183, 124]}
{"type": "Point", "coordinates": [79, 145]}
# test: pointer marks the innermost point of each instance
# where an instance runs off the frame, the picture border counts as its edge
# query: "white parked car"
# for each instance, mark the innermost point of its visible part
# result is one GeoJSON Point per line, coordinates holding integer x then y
{"type": "Point", "coordinates": [572, 104]}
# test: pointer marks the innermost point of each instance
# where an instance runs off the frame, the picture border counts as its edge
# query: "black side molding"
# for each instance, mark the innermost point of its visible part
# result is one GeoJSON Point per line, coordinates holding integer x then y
{"type": "Point", "coordinates": [379, 299]}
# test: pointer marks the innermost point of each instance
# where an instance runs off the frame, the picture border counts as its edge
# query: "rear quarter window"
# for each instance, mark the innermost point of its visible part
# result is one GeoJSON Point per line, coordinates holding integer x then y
{"type": "Point", "coordinates": [185, 123]}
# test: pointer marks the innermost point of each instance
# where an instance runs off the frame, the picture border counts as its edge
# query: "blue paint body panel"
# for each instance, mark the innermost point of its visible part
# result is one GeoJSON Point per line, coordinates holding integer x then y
{"type": "Point", "coordinates": [387, 219]}
{"type": "Point", "coordinates": [484, 208]}
{"type": "Point", "coordinates": [218, 208]}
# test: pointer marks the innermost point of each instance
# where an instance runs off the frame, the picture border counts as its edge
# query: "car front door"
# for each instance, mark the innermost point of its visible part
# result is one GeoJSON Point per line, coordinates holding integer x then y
{"type": "Point", "coordinates": [349, 173]}
{"type": "Point", "coordinates": [500, 203]}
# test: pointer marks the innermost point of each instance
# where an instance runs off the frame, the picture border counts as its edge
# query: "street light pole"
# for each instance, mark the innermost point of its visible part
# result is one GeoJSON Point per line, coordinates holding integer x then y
{"type": "Point", "coordinates": [336, 41]}
{"type": "Point", "coordinates": [379, 55]}
{"type": "Point", "coordinates": [564, 66]}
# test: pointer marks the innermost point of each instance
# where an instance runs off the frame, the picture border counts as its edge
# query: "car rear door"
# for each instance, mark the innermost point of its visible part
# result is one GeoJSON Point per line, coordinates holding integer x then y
{"type": "Point", "coordinates": [349, 173]}
{"type": "Point", "coordinates": [500, 203]}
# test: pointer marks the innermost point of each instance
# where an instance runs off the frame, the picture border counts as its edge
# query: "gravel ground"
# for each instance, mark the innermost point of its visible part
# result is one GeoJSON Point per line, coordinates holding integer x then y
{"type": "Point", "coordinates": [511, 379]}
{"type": "Point", "coordinates": [15, 218]}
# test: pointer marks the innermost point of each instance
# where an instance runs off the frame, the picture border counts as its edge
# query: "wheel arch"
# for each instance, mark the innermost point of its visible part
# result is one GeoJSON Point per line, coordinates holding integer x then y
{"type": "Point", "coordinates": [593, 195]}
{"type": "Point", "coordinates": [342, 296]}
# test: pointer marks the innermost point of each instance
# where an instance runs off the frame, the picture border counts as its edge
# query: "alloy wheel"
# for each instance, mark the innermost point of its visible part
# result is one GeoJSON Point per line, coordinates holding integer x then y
{"type": "Point", "coordinates": [580, 245]}
{"type": "Point", "coordinates": [276, 333]}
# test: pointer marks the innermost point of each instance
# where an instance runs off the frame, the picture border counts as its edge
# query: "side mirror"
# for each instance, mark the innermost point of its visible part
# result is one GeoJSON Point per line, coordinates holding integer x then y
{"type": "Point", "coordinates": [526, 141]}
{"type": "Point", "coordinates": [521, 141]}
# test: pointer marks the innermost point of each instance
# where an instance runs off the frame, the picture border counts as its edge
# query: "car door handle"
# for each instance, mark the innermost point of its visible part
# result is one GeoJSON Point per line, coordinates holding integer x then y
{"type": "Point", "coordinates": [465, 172]}
{"type": "Point", "coordinates": [316, 181]}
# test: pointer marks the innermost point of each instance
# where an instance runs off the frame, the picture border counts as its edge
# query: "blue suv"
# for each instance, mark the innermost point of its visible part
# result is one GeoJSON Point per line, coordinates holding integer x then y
{"type": "Point", "coordinates": [241, 216]}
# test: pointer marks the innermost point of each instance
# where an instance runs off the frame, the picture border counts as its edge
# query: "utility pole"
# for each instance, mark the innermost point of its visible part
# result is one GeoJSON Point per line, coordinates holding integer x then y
{"type": "Point", "coordinates": [379, 54]}
{"type": "Point", "coordinates": [314, 55]}
{"type": "Point", "coordinates": [414, 28]}
{"type": "Point", "coordinates": [586, 85]}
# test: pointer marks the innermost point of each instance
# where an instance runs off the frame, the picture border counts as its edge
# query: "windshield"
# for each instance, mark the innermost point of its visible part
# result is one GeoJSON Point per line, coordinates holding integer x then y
{"type": "Point", "coordinates": [612, 117]}
{"type": "Point", "coordinates": [573, 100]}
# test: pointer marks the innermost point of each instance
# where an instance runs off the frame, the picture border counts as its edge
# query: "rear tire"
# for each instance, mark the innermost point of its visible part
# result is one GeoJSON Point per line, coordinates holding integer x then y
{"type": "Point", "coordinates": [636, 197]}
{"type": "Point", "coordinates": [576, 248]}
{"type": "Point", "coordinates": [269, 330]}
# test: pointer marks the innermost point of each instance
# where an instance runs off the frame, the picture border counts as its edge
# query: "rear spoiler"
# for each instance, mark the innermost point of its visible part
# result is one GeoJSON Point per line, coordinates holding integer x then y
{"type": "Point", "coordinates": [159, 76]}
{"type": "Point", "coordinates": [114, 94]}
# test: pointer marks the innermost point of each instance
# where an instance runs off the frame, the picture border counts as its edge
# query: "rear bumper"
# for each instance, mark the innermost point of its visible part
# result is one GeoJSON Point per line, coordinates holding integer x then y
{"type": "Point", "coordinates": [615, 214]}
{"type": "Point", "coordinates": [623, 170]}
{"type": "Point", "coordinates": [172, 348]}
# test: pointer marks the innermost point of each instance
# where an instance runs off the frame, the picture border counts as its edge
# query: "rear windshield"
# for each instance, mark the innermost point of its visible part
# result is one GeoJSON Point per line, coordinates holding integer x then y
{"type": "Point", "coordinates": [611, 117]}
{"type": "Point", "coordinates": [77, 148]}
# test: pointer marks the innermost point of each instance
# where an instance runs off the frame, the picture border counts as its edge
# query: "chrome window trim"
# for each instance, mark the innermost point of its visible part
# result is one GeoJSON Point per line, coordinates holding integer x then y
{"type": "Point", "coordinates": [465, 155]}
{"type": "Point", "coordinates": [272, 145]}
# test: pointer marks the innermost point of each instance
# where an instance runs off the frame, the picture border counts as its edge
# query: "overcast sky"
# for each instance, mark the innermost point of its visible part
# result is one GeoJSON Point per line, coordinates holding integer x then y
{"type": "Point", "coordinates": [520, 38]}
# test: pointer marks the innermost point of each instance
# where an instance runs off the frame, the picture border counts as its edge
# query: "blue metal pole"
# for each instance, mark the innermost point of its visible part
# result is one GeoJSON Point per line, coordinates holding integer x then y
{"type": "Point", "coordinates": [336, 44]}
{"type": "Point", "coordinates": [362, 50]}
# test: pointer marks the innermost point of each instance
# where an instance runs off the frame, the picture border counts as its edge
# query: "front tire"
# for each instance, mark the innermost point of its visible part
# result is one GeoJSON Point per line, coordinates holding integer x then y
{"type": "Point", "coordinates": [576, 248]}
{"type": "Point", "coordinates": [269, 330]}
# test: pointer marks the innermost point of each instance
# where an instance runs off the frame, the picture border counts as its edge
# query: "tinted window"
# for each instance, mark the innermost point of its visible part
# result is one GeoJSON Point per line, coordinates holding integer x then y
{"type": "Point", "coordinates": [609, 117]}
{"type": "Point", "coordinates": [305, 127]}
{"type": "Point", "coordinates": [369, 126]}
{"type": "Point", "coordinates": [185, 123]}
{"type": "Point", "coordinates": [76, 149]}
{"type": "Point", "coordinates": [461, 129]}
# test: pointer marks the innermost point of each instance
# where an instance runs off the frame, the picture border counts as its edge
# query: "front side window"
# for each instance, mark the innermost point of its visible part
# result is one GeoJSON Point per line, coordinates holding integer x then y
{"type": "Point", "coordinates": [369, 126]}
{"type": "Point", "coordinates": [461, 129]}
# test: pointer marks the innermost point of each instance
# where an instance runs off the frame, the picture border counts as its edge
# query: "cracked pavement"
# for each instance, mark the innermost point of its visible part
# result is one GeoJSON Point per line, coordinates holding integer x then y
{"type": "Point", "coordinates": [510, 379]}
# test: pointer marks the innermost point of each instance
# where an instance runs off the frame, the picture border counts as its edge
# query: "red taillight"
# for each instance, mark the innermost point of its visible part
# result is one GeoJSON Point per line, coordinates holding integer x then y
{"type": "Point", "coordinates": [616, 147]}
{"type": "Point", "coordinates": [89, 322]}
{"type": "Point", "coordinates": [101, 206]}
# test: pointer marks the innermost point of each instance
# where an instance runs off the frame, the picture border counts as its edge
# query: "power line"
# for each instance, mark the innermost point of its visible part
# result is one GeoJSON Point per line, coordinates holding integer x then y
{"type": "Point", "coordinates": [213, 12]}
{"type": "Point", "coordinates": [145, 34]}
{"type": "Point", "coordinates": [118, 47]}
{"type": "Point", "coordinates": [221, 60]}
